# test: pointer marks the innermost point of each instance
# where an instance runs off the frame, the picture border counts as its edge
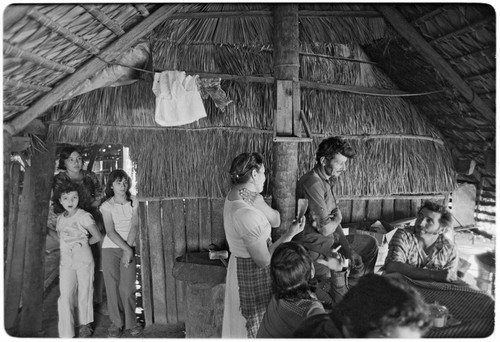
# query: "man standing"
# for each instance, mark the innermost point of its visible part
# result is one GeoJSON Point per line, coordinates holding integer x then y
{"type": "Point", "coordinates": [323, 231]}
{"type": "Point", "coordinates": [423, 251]}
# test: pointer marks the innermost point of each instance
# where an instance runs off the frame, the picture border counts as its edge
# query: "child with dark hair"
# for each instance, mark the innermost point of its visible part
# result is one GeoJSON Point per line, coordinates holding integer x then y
{"type": "Point", "coordinates": [120, 215]}
{"type": "Point", "coordinates": [293, 293]}
{"type": "Point", "coordinates": [76, 271]}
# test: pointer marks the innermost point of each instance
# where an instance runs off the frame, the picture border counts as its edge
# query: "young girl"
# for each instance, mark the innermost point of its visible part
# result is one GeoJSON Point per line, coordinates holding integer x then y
{"type": "Point", "coordinates": [293, 297]}
{"type": "Point", "coordinates": [76, 271]}
{"type": "Point", "coordinates": [119, 212]}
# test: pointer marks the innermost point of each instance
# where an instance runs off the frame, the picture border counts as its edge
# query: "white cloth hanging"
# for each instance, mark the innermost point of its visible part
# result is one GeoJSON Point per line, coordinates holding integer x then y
{"type": "Point", "coordinates": [178, 101]}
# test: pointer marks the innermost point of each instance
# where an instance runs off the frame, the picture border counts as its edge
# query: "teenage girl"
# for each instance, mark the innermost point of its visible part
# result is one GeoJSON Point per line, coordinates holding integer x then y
{"type": "Point", "coordinates": [119, 212]}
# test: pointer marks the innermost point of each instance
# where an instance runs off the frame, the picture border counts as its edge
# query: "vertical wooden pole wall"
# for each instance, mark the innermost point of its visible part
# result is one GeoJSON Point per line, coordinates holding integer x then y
{"type": "Point", "coordinates": [25, 283]}
{"type": "Point", "coordinates": [286, 73]}
{"type": "Point", "coordinates": [7, 144]}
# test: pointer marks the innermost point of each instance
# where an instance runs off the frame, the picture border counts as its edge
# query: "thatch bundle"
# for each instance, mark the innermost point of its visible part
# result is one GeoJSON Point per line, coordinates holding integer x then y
{"type": "Point", "coordinates": [398, 151]}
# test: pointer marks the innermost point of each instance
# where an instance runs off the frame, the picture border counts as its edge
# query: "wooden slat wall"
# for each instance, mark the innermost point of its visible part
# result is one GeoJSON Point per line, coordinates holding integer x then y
{"type": "Point", "coordinates": [170, 228]}
{"type": "Point", "coordinates": [388, 210]}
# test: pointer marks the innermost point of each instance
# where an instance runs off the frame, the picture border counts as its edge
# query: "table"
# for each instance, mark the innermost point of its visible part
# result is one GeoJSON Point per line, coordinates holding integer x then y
{"type": "Point", "coordinates": [475, 309]}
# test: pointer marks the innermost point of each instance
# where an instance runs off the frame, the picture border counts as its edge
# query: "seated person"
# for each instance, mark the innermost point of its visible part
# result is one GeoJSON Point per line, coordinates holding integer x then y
{"type": "Point", "coordinates": [323, 230]}
{"type": "Point", "coordinates": [293, 296]}
{"type": "Point", "coordinates": [423, 251]}
{"type": "Point", "coordinates": [377, 306]}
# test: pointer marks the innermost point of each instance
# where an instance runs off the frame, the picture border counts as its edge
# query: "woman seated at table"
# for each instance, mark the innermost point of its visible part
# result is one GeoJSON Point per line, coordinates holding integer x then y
{"type": "Point", "coordinates": [247, 223]}
{"type": "Point", "coordinates": [423, 251]}
{"type": "Point", "coordinates": [377, 307]}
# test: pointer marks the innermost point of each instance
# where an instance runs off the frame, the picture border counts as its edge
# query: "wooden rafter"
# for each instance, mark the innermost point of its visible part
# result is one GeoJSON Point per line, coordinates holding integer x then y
{"type": "Point", "coordinates": [14, 51]}
{"type": "Point", "coordinates": [487, 51]}
{"type": "Point", "coordinates": [141, 9]}
{"type": "Point", "coordinates": [104, 19]}
{"type": "Point", "coordinates": [7, 107]}
{"type": "Point", "coordinates": [90, 68]}
{"type": "Point", "coordinates": [19, 84]}
{"type": "Point", "coordinates": [468, 29]}
{"type": "Point", "coordinates": [426, 51]}
{"type": "Point", "coordinates": [431, 15]}
{"type": "Point", "coordinates": [307, 13]}
{"type": "Point", "coordinates": [62, 31]}
{"type": "Point", "coordinates": [266, 13]}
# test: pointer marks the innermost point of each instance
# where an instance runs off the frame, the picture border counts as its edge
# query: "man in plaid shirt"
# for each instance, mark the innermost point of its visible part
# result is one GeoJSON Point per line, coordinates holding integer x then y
{"type": "Point", "coordinates": [423, 251]}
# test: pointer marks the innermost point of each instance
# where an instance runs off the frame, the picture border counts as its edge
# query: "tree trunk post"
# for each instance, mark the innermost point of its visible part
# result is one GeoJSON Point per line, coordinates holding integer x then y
{"type": "Point", "coordinates": [33, 215]}
{"type": "Point", "coordinates": [287, 115]}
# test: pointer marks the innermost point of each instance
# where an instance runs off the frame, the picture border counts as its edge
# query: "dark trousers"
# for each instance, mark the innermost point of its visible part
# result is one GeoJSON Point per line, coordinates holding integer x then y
{"type": "Point", "coordinates": [333, 285]}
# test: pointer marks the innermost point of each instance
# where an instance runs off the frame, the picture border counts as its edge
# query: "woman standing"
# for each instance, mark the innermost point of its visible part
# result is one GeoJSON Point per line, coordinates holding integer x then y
{"type": "Point", "coordinates": [70, 164]}
{"type": "Point", "coordinates": [247, 224]}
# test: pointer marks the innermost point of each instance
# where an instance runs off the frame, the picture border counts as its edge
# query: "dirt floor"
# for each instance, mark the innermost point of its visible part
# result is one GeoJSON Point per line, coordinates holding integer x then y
{"type": "Point", "coordinates": [101, 319]}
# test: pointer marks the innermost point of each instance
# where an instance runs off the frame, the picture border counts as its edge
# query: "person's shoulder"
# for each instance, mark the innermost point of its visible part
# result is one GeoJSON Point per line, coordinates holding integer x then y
{"type": "Point", "coordinates": [107, 204]}
{"type": "Point", "coordinates": [402, 234]}
{"type": "Point", "coordinates": [317, 326]}
{"type": "Point", "coordinates": [408, 231]}
{"type": "Point", "coordinates": [310, 177]}
{"type": "Point", "coordinates": [89, 174]}
{"type": "Point", "coordinates": [60, 175]}
{"type": "Point", "coordinates": [84, 215]}
{"type": "Point", "coordinates": [446, 242]}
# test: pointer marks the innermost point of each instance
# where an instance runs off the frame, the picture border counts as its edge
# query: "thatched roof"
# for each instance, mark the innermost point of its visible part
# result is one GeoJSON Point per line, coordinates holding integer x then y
{"type": "Point", "coordinates": [408, 111]}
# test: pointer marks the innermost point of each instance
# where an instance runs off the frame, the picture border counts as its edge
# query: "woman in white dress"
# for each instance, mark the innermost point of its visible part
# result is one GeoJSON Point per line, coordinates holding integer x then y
{"type": "Point", "coordinates": [247, 223]}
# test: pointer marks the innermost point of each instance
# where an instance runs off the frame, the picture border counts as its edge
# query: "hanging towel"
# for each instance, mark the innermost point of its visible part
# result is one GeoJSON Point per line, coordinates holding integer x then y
{"type": "Point", "coordinates": [178, 101]}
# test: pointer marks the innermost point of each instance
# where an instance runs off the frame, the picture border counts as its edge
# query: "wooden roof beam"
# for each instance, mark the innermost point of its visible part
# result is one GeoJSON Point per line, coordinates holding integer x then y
{"type": "Point", "coordinates": [430, 15]}
{"type": "Point", "coordinates": [426, 51]}
{"type": "Point", "coordinates": [14, 51]}
{"type": "Point", "coordinates": [104, 19]}
{"type": "Point", "coordinates": [486, 52]}
{"type": "Point", "coordinates": [94, 65]}
{"type": "Point", "coordinates": [308, 13]}
{"type": "Point", "coordinates": [14, 108]}
{"type": "Point", "coordinates": [31, 86]}
{"type": "Point", "coordinates": [62, 31]}
{"type": "Point", "coordinates": [479, 77]}
{"type": "Point", "coordinates": [266, 13]}
{"type": "Point", "coordinates": [471, 28]}
{"type": "Point", "coordinates": [143, 11]}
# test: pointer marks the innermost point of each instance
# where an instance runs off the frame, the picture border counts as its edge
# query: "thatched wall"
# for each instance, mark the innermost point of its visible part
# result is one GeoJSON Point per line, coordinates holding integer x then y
{"type": "Point", "coordinates": [398, 151]}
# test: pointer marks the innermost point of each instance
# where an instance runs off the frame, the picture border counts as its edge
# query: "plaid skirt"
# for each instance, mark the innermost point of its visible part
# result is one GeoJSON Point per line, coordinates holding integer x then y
{"type": "Point", "coordinates": [254, 291]}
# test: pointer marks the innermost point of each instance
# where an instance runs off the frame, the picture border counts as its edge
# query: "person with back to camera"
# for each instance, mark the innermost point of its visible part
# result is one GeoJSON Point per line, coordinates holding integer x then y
{"type": "Point", "coordinates": [120, 214]}
{"type": "Point", "coordinates": [377, 307]}
{"type": "Point", "coordinates": [423, 251]}
{"type": "Point", "coordinates": [323, 230]}
{"type": "Point", "coordinates": [247, 224]}
{"type": "Point", "coordinates": [293, 297]}
{"type": "Point", "coordinates": [76, 271]}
